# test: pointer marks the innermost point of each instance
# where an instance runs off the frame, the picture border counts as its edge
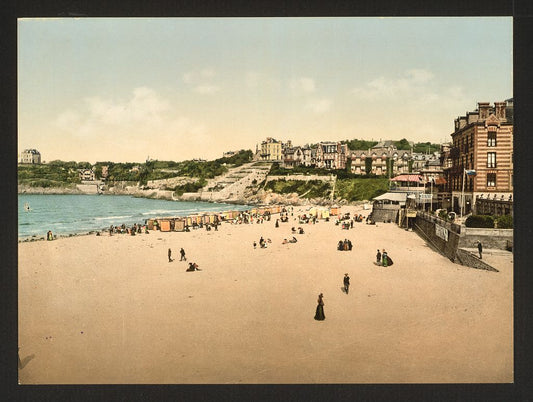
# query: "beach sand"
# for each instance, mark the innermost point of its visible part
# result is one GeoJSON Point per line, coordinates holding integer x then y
{"type": "Point", "coordinates": [108, 310]}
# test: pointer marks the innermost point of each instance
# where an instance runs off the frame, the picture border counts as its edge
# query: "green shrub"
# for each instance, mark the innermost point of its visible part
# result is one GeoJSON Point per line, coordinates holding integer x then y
{"type": "Point", "coordinates": [505, 222]}
{"type": "Point", "coordinates": [443, 214]}
{"type": "Point", "coordinates": [480, 221]}
{"type": "Point", "coordinates": [189, 187]}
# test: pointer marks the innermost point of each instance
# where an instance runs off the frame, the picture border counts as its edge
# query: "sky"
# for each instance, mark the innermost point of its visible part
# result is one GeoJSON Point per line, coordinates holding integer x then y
{"type": "Point", "coordinates": [125, 89]}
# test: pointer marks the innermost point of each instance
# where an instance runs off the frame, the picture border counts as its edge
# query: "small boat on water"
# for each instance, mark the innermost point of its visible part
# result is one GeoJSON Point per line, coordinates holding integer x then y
{"type": "Point", "coordinates": [27, 207]}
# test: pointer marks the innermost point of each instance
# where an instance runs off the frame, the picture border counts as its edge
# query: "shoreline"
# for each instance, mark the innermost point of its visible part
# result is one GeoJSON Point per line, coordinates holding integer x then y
{"type": "Point", "coordinates": [157, 194]}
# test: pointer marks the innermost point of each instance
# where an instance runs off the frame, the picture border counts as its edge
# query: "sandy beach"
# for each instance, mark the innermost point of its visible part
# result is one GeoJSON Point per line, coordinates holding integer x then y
{"type": "Point", "coordinates": [108, 310]}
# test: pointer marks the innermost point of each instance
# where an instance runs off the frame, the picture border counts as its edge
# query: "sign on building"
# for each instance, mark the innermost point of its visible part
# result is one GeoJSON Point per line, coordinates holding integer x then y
{"type": "Point", "coordinates": [441, 232]}
{"type": "Point", "coordinates": [411, 213]}
{"type": "Point", "coordinates": [423, 198]}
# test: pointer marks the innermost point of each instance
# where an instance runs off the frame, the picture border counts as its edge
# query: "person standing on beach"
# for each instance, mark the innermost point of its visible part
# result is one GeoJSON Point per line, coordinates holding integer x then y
{"type": "Point", "coordinates": [479, 249]}
{"type": "Point", "coordinates": [319, 315]}
{"type": "Point", "coordinates": [169, 255]}
{"type": "Point", "coordinates": [346, 283]}
{"type": "Point", "coordinates": [384, 258]}
{"type": "Point", "coordinates": [378, 257]}
{"type": "Point", "coordinates": [182, 252]}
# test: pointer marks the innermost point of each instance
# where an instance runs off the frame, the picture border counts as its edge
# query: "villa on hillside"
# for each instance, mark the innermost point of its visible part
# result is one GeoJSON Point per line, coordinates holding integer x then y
{"type": "Point", "coordinates": [271, 150]}
{"type": "Point", "coordinates": [86, 174]}
{"type": "Point", "coordinates": [297, 156]}
{"type": "Point", "coordinates": [30, 156]}
{"type": "Point", "coordinates": [331, 155]}
{"type": "Point", "coordinates": [380, 159]}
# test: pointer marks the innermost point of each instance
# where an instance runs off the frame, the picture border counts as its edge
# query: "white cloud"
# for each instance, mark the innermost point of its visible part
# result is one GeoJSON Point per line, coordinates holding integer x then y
{"type": "Point", "coordinates": [413, 82]}
{"type": "Point", "coordinates": [207, 89]}
{"type": "Point", "coordinates": [302, 84]}
{"type": "Point", "coordinates": [138, 117]}
{"type": "Point", "coordinates": [201, 81]}
{"type": "Point", "coordinates": [319, 105]}
{"type": "Point", "coordinates": [68, 119]}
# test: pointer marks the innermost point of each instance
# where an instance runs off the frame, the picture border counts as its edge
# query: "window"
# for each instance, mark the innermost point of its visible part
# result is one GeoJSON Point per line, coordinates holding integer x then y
{"type": "Point", "coordinates": [491, 179]}
{"type": "Point", "coordinates": [491, 139]}
{"type": "Point", "coordinates": [491, 159]}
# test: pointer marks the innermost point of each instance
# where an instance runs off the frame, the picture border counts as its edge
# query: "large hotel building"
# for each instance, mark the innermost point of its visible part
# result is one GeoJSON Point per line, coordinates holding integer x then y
{"type": "Point", "coordinates": [481, 156]}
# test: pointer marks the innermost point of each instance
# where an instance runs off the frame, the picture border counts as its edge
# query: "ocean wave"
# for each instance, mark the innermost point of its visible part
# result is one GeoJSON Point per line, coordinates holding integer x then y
{"type": "Point", "coordinates": [163, 211]}
{"type": "Point", "coordinates": [106, 218]}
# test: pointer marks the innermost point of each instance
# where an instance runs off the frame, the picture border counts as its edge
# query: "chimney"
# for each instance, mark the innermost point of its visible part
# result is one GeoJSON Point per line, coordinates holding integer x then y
{"type": "Point", "coordinates": [500, 110]}
{"type": "Point", "coordinates": [483, 108]}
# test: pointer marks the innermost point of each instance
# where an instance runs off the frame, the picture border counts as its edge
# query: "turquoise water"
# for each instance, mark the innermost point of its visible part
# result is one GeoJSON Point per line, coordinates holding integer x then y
{"type": "Point", "coordinates": [73, 214]}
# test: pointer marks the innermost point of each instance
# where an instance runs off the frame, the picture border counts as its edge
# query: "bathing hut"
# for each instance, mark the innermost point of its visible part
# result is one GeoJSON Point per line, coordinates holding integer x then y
{"type": "Point", "coordinates": [179, 225]}
{"type": "Point", "coordinates": [164, 224]}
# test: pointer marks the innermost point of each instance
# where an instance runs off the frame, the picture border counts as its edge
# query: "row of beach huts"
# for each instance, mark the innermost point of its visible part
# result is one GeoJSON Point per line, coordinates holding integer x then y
{"type": "Point", "coordinates": [183, 223]}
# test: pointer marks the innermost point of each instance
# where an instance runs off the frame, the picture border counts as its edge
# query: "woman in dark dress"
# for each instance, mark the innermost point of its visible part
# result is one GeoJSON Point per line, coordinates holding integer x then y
{"type": "Point", "coordinates": [319, 315]}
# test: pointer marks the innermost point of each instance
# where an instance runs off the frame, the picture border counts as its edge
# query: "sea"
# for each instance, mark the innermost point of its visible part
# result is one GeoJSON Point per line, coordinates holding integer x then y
{"type": "Point", "coordinates": [71, 214]}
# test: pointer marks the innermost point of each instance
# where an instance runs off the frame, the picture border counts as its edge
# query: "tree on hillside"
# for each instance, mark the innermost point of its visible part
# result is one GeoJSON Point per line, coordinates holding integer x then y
{"type": "Point", "coordinates": [356, 144]}
{"type": "Point", "coordinates": [402, 145]}
{"type": "Point", "coordinates": [426, 147]}
{"type": "Point", "coordinates": [368, 165]}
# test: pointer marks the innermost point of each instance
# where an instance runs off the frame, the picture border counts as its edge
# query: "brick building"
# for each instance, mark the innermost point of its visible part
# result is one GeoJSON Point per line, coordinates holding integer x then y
{"type": "Point", "coordinates": [481, 156]}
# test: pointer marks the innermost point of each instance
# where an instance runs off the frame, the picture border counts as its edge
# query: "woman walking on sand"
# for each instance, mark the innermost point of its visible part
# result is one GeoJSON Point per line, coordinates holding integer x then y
{"type": "Point", "coordinates": [319, 315]}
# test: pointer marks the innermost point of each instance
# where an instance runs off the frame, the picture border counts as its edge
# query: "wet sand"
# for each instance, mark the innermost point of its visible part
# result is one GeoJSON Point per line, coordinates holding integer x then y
{"type": "Point", "coordinates": [108, 310]}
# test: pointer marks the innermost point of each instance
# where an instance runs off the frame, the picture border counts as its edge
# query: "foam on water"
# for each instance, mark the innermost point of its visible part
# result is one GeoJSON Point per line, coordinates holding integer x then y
{"type": "Point", "coordinates": [70, 214]}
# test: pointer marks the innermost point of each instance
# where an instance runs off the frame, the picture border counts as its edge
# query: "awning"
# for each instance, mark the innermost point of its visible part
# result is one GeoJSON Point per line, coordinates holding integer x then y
{"type": "Point", "coordinates": [401, 197]}
{"type": "Point", "coordinates": [414, 178]}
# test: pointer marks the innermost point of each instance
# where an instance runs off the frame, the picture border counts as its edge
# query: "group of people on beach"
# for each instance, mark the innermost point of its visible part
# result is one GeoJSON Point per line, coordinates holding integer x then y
{"type": "Point", "coordinates": [262, 242]}
{"type": "Point", "coordinates": [192, 265]}
{"type": "Point", "coordinates": [383, 259]}
{"type": "Point", "coordinates": [293, 240]}
{"type": "Point", "coordinates": [345, 245]}
{"type": "Point", "coordinates": [123, 229]}
{"type": "Point", "coordinates": [319, 313]}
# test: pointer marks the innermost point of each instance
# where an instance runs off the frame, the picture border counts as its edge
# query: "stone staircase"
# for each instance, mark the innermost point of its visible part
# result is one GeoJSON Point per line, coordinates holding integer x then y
{"type": "Point", "coordinates": [231, 186]}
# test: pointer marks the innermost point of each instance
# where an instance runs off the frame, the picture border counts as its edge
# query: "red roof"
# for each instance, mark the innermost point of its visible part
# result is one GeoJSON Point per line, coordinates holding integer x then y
{"type": "Point", "coordinates": [408, 177]}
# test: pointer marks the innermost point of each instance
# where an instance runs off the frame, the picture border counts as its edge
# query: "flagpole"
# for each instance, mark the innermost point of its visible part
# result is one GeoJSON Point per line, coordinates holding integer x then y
{"type": "Point", "coordinates": [463, 193]}
{"type": "Point", "coordinates": [431, 199]}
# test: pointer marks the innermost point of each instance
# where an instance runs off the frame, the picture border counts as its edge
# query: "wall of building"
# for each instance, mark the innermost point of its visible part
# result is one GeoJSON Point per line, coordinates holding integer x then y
{"type": "Point", "coordinates": [388, 213]}
{"type": "Point", "coordinates": [496, 207]}
{"type": "Point", "coordinates": [490, 238]}
{"type": "Point", "coordinates": [425, 228]}
{"type": "Point", "coordinates": [454, 247]}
